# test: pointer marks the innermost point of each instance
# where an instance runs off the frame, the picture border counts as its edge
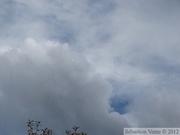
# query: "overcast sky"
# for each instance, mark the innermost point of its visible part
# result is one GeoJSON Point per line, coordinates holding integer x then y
{"type": "Point", "coordinates": [100, 64]}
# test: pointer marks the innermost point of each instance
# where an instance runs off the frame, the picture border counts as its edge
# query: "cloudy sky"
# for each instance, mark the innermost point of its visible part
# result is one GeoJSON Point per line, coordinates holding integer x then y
{"type": "Point", "coordinates": [100, 64]}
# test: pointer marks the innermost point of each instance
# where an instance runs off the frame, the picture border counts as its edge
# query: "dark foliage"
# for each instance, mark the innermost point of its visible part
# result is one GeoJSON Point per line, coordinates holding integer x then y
{"type": "Point", "coordinates": [75, 128]}
{"type": "Point", "coordinates": [34, 129]}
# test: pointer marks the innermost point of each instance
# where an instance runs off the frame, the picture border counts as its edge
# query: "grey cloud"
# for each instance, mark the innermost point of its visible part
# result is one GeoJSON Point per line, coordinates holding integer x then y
{"type": "Point", "coordinates": [134, 44]}
{"type": "Point", "coordinates": [156, 108]}
{"type": "Point", "coordinates": [54, 84]}
{"type": "Point", "coordinates": [146, 64]}
{"type": "Point", "coordinates": [76, 22]}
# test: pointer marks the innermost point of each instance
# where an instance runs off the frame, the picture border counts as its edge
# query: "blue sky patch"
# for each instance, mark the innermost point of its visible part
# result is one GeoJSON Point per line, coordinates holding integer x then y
{"type": "Point", "coordinates": [120, 104]}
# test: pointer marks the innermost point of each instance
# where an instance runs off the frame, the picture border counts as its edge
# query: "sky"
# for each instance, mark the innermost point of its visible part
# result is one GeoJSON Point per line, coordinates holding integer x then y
{"type": "Point", "coordinates": [99, 64]}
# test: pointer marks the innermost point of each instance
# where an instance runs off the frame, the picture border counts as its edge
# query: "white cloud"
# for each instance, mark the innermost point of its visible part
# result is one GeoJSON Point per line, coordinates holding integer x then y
{"type": "Point", "coordinates": [4, 49]}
